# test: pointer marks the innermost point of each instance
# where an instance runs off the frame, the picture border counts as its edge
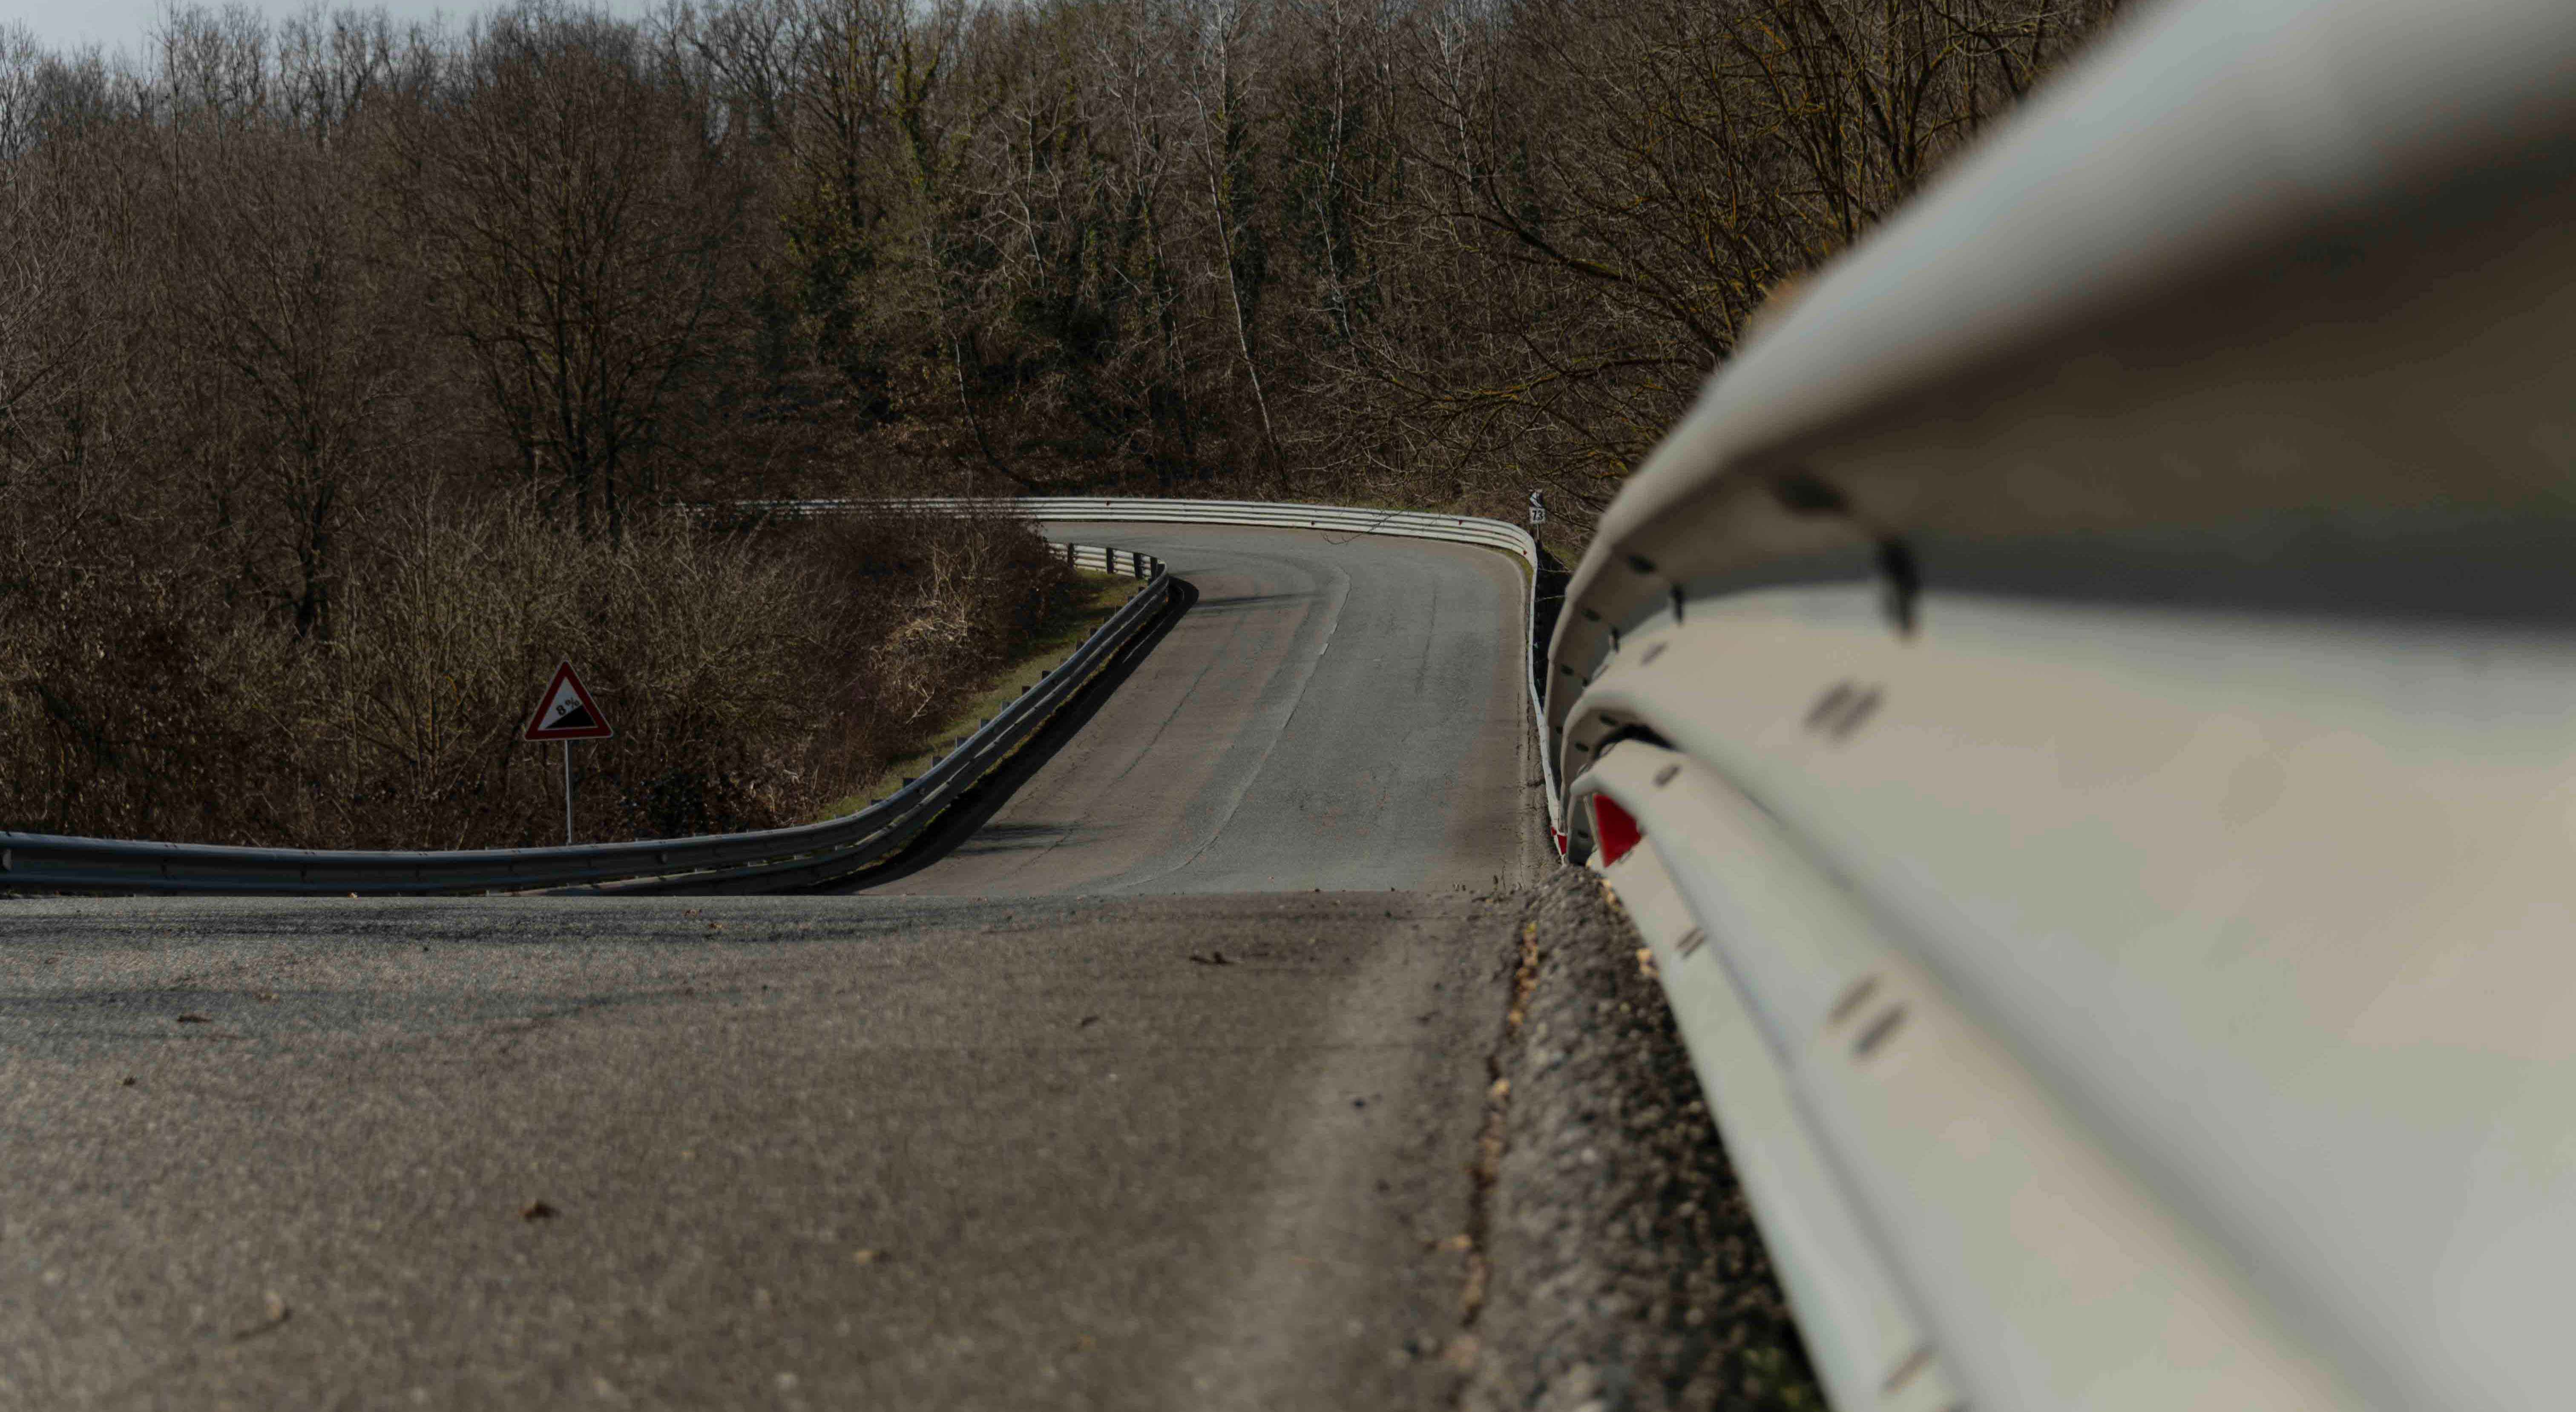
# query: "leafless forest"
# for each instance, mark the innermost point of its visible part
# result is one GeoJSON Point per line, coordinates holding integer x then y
{"type": "Point", "coordinates": [349, 373]}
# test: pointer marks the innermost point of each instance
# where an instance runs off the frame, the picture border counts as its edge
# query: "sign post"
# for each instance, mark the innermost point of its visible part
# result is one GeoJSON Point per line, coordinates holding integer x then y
{"type": "Point", "coordinates": [1537, 508]}
{"type": "Point", "coordinates": [566, 714]}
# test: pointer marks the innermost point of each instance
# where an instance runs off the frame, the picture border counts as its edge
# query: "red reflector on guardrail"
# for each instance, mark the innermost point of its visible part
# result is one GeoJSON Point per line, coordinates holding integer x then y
{"type": "Point", "coordinates": [1614, 829]}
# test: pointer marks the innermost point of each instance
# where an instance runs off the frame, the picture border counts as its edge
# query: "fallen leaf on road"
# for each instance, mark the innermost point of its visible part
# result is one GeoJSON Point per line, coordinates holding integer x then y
{"type": "Point", "coordinates": [1213, 958]}
{"type": "Point", "coordinates": [1087, 1022]}
{"type": "Point", "coordinates": [129, 1082]}
{"type": "Point", "coordinates": [866, 1257]}
{"type": "Point", "coordinates": [278, 1314]}
{"type": "Point", "coordinates": [194, 1019]}
{"type": "Point", "coordinates": [538, 1211]}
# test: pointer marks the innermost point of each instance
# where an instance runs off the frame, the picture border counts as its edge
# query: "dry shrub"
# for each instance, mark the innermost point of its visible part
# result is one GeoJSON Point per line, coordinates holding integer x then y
{"type": "Point", "coordinates": [122, 701]}
{"type": "Point", "coordinates": [751, 675]}
{"type": "Point", "coordinates": [938, 604]}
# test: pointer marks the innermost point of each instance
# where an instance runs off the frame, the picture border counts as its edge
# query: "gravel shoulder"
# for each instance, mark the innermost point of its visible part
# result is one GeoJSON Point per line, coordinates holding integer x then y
{"type": "Point", "coordinates": [1624, 1269]}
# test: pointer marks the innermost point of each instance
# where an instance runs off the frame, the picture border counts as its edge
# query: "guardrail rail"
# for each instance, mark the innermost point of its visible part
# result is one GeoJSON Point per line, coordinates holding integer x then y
{"type": "Point", "coordinates": [2080, 711]}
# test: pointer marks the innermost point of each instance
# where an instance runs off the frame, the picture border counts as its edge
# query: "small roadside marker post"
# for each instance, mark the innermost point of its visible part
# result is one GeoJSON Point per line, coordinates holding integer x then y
{"type": "Point", "coordinates": [566, 714]}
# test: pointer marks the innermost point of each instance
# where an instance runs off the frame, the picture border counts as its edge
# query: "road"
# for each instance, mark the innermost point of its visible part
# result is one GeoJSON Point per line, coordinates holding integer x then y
{"type": "Point", "coordinates": [1333, 712]}
{"type": "Point", "coordinates": [990, 1150]}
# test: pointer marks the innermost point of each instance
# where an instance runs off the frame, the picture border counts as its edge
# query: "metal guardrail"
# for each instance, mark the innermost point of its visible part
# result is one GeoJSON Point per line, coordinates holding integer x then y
{"type": "Point", "coordinates": [2080, 712]}
{"type": "Point", "coordinates": [806, 853]}
{"type": "Point", "coordinates": [1411, 524]}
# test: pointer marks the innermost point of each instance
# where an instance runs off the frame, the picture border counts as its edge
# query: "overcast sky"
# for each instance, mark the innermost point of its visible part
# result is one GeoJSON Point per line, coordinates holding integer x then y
{"type": "Point", "coordinates": [122, 24]}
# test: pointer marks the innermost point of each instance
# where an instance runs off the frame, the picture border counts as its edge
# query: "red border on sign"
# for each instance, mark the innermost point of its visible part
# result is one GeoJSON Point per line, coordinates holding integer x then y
{"type": "Point", "coordinates": [564, 673]}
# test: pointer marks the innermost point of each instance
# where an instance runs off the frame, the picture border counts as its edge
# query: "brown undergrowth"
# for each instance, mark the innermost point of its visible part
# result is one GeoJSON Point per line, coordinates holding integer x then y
{"type": "Point", "coordinates": [751, 672]}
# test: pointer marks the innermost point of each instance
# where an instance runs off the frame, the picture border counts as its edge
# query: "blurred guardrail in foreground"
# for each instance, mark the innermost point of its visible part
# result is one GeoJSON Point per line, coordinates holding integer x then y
{"type": "Point", "coordinates": [2081, 710]}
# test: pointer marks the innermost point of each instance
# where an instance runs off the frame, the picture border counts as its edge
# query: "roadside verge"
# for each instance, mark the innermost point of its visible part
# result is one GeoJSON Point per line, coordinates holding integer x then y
{"type": "Point", "coordinates": [1621, 1265]}
{"type": "Point", "coordinates": [1096, 597]}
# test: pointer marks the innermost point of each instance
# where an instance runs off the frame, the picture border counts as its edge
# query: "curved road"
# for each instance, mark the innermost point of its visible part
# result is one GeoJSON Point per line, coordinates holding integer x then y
{"type": "Point", "coordinates": [1333, 712]}
{"type": "Point", "coordinates": [968, 1147]}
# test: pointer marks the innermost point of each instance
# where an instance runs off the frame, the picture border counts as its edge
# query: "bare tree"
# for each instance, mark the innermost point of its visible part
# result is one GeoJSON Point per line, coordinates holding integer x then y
{"type": "Point", "coordinates": [582, 228]}
{"type": "Point", "coordinates": [293, 324]}
{"type": "Point", "coordinates": [1220, 91]}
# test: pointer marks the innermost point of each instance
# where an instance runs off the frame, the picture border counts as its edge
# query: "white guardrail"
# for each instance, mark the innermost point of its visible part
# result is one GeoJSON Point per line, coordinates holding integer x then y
{"type": "Point", "coordinates": [2084, 712]}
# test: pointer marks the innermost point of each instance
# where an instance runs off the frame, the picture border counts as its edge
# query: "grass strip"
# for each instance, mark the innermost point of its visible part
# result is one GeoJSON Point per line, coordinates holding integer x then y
{"type": "Point", "coordinates": [1095, 598]}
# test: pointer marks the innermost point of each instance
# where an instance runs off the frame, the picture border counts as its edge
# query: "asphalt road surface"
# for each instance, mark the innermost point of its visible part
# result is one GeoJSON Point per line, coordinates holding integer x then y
{"type": "Point", "coordinates": [1333, 712]}
{"type": "Point", "coordinates": [853, 1151]}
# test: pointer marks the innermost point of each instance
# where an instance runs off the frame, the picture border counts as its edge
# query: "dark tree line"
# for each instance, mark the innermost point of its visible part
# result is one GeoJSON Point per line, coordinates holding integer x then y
{"type": "Point", "coordinates": [1427, 253]}
{"type": "Point", "coordinates": [1296, 246]}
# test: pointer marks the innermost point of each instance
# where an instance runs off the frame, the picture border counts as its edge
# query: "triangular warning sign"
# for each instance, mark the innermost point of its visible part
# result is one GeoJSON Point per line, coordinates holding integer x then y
{"type": "Point", "coordinates": [566, 711]}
